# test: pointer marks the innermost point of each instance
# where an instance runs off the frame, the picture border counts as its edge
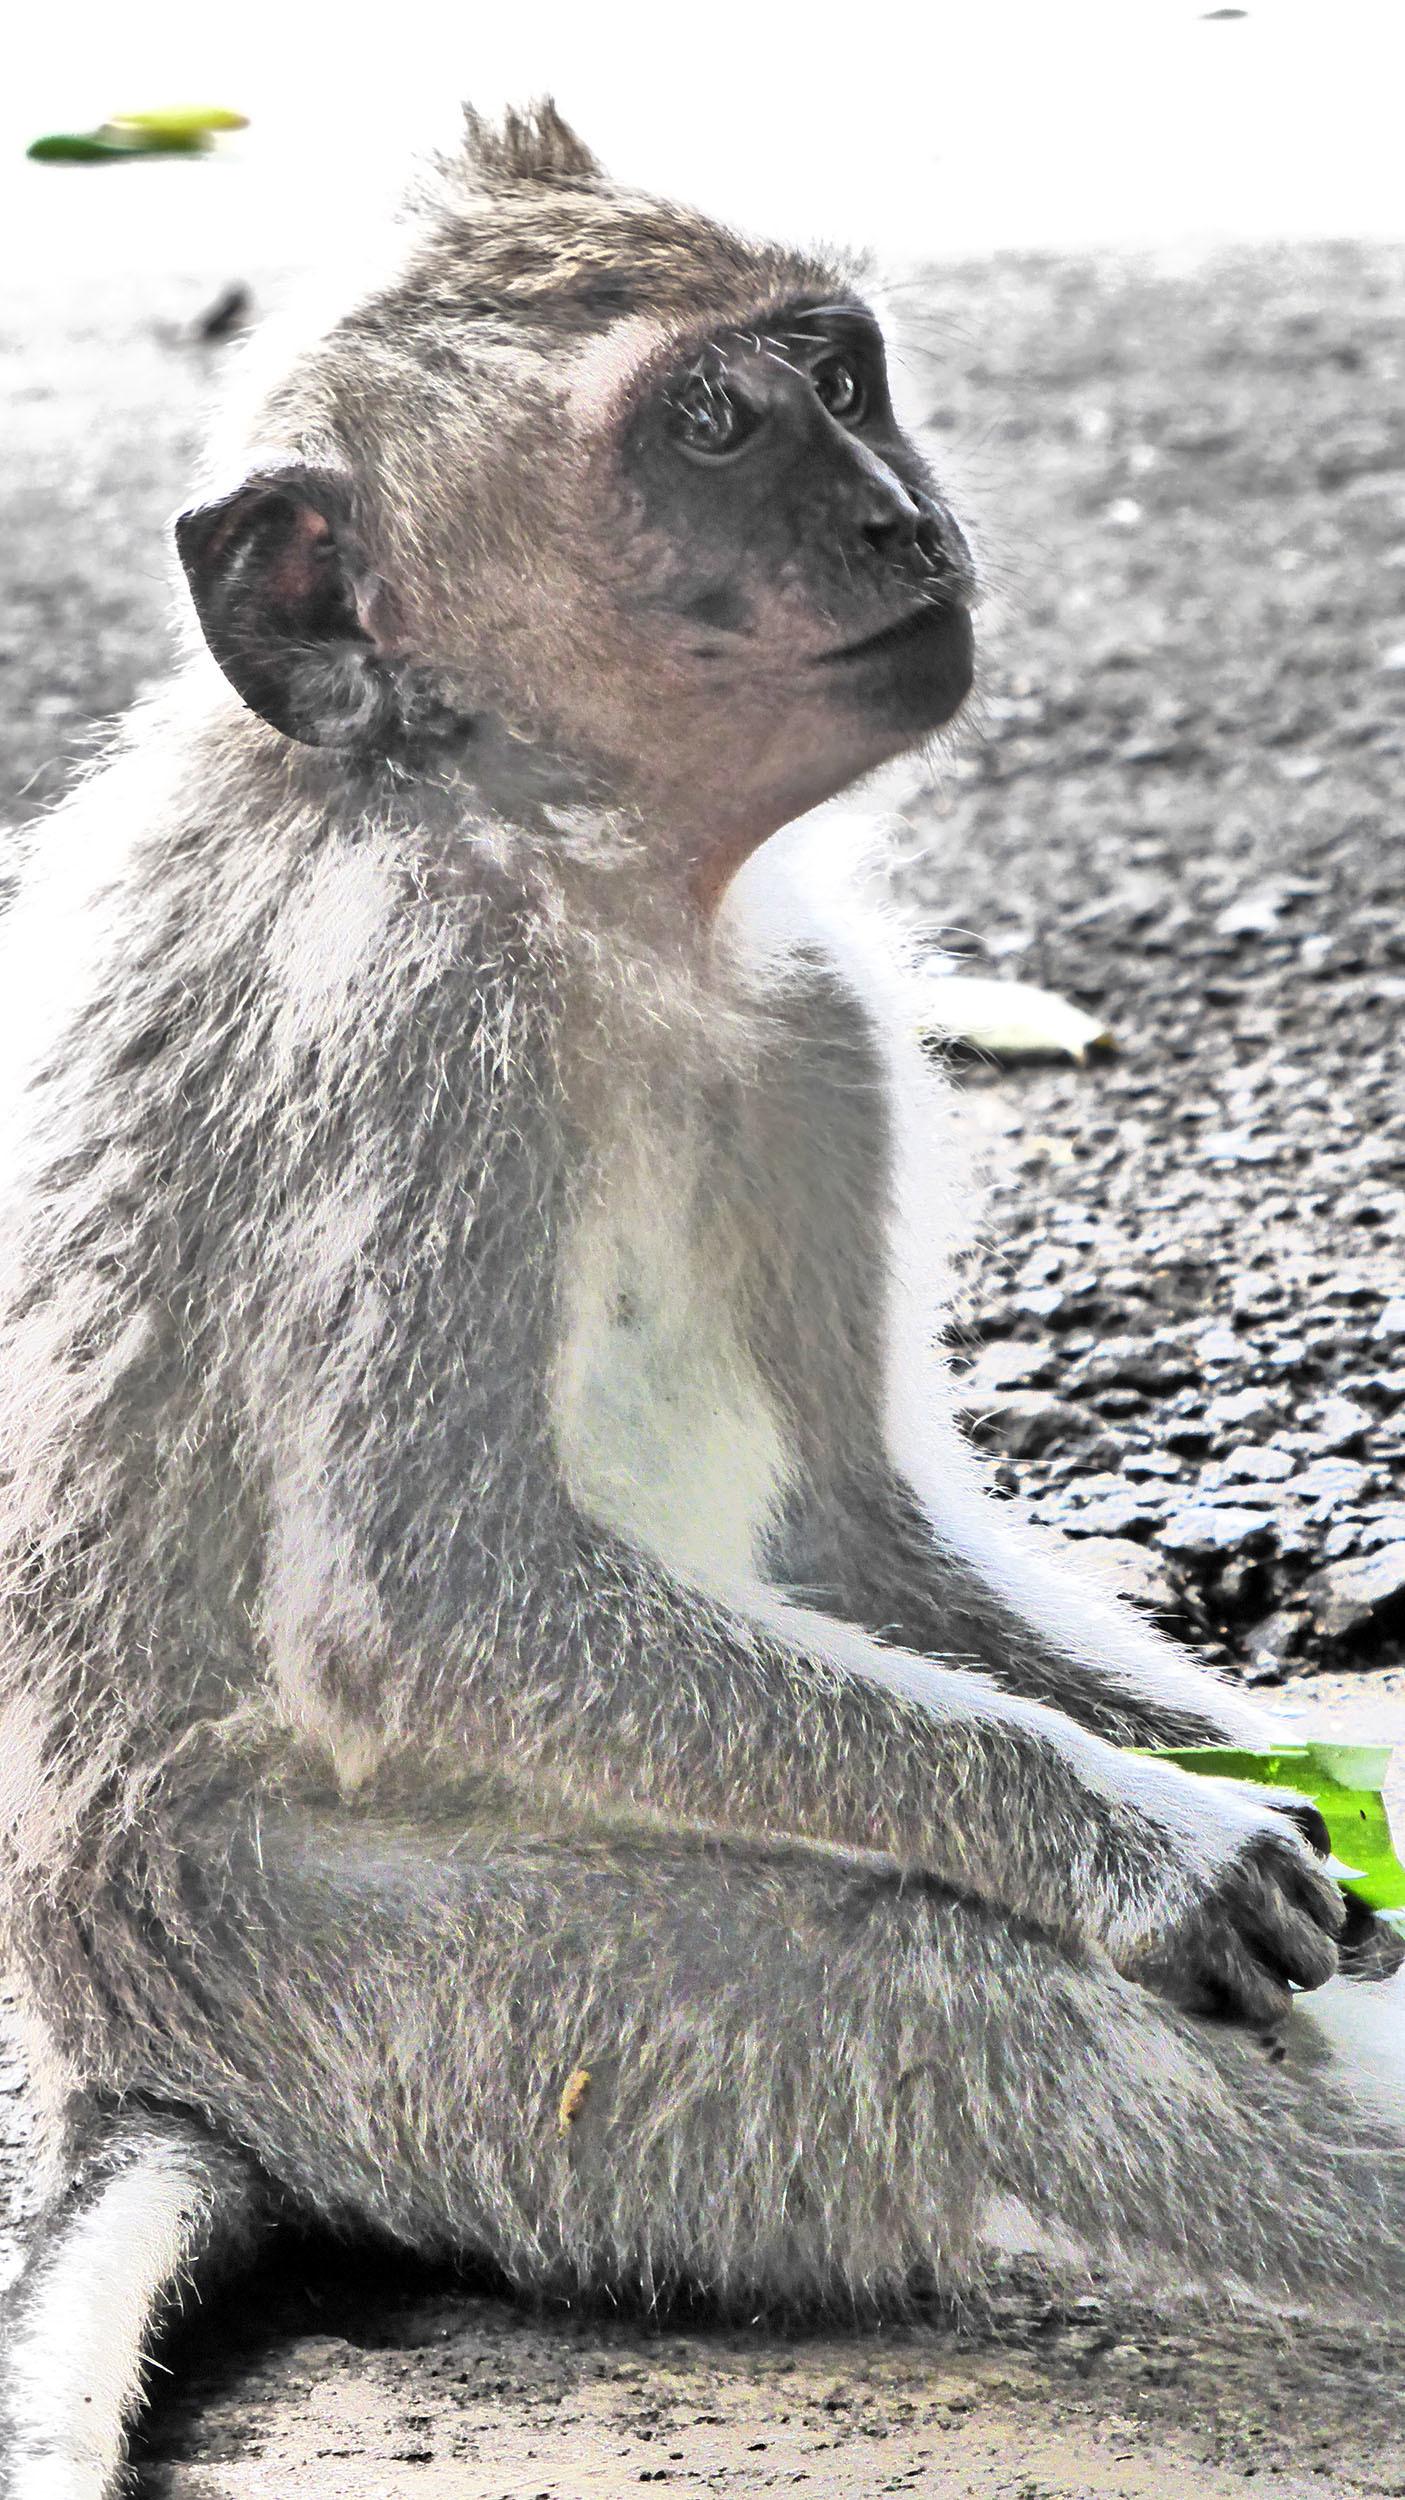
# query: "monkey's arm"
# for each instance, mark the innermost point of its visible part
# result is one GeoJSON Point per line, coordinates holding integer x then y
{"type": "Point", "coordinates": [948, 1571]}
{"type": "Point", "coordinates": [623, 1688]}
{"type": "Point", "coordinates": [889, 1524]}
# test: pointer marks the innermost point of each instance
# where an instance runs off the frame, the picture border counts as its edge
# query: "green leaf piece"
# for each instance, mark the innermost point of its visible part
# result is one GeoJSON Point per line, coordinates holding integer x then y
{"type": "Point", "coordinates": [111, 146]}
{"type": "Point", "coordinates": [182, 132]}
{"type": "Point", "coordinates": [75, 147]}
{"type": "Point", "coordinates": [181, 121]}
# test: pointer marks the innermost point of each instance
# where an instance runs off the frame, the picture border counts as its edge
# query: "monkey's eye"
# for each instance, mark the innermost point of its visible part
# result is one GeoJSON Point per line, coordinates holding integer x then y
{"type": "Point", "coordinates": [841, 388]}
{"type": "Point", "coordinates": [706, 419]}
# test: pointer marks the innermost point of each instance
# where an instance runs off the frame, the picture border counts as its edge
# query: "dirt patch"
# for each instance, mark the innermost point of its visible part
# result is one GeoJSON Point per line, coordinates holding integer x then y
{"type": "Point", "coordinates": [455, 2396]}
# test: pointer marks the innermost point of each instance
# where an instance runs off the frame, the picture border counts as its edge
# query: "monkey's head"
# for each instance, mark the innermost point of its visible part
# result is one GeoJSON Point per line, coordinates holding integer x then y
{"type": "Point", "coordinates": [596, 471]}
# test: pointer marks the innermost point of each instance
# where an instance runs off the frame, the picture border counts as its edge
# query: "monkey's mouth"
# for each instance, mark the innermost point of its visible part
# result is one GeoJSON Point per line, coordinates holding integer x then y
{"type": "Point", "coordinates": [914, 676]}
{"type": "Point", "coordinates": [934, 621]}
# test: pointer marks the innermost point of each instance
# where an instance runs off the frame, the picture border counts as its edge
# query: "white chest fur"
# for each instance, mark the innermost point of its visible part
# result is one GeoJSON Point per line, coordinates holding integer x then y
{"type": "Point", "coordinates": [664, 1427]}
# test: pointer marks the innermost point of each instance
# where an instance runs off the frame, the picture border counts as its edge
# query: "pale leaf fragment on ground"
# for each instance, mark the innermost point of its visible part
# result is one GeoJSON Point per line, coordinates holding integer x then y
{"type": "Point", "coordinates": [1011, 1019]}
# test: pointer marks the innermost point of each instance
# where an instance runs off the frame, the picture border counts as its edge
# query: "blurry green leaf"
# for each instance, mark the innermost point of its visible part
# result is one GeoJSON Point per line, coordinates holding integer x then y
{"type": "Point", "coordinates": [74, 147]}
{"type": "Point", "coordinates": [181, 121]}
{"type": "Point", "coordinates": [111, 146]}
{"type": "Point", "coordinates": [176, 130]}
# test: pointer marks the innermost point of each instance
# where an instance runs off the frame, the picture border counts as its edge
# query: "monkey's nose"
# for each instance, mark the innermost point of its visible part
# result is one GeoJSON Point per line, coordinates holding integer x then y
{"type": "Point", "coordinates": [888, 518]}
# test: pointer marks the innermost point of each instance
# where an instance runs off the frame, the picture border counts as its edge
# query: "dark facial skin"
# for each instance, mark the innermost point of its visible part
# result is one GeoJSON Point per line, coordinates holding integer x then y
{"type": "Point", "coordinates": [803, 531]}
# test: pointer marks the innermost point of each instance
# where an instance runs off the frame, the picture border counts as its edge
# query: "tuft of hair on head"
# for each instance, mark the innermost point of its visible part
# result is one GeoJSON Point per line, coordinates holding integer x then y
{"type": "Point", "coordinates": [533, 145]}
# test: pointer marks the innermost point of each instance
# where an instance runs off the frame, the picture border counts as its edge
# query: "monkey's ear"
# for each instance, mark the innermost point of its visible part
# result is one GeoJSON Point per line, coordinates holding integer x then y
{"type": "Point", "coordinates": [290, 607]}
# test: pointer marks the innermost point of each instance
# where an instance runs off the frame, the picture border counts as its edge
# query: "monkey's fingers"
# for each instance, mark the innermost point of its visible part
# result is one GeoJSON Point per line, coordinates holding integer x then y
{"type": "Point", "coordinates": [1268, 1929]}
{"type": "Point", "coordinates": [1303, 1813]}
{"type": "Point", "coordinates": [1234, 1977]}
{"type": "Point", "coordinates": [1290, 1919]}
{"type": "Point", "coordinates": [1369, 1947]}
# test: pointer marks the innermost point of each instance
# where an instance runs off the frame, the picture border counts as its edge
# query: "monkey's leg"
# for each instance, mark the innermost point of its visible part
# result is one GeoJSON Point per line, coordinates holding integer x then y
{"type": "Point", "coordinates": [632, 2062]}
{"type": "Point", "coordinates": [154, 2203]}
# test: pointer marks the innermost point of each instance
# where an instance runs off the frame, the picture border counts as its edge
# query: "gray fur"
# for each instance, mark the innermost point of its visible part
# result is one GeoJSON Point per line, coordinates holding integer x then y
{"type": "Point", "coordinates": [489, 1588]}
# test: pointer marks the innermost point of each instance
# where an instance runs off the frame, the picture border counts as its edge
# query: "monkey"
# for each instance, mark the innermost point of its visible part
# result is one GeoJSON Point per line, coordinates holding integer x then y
{"type": "Point", "coordinates": [524, 1731]}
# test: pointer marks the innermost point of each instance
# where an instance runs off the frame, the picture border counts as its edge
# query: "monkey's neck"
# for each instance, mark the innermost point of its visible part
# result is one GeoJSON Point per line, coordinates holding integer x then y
{"type": "Point", "coordinates": [716, 863]}
{"type": "Point", "coordinates": [621, 879]}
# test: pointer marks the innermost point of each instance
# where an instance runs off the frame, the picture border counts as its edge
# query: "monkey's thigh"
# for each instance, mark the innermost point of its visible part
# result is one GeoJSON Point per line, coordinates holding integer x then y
{"type": "Point", "coordinates": [632, 2062]}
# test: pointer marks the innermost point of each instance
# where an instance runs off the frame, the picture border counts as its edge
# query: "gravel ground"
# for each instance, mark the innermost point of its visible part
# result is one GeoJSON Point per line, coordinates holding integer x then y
{"type": "Point", "coordinates": [1184, 1329]}
{"type": "Point", "coordinates": [1188, 1330]}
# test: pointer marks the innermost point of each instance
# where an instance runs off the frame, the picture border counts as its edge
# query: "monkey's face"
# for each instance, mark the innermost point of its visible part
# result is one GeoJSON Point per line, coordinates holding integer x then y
{"type": "Point", "coordinates": [796, 535]}
{"type": "Point", "coordinates": [794, 594]}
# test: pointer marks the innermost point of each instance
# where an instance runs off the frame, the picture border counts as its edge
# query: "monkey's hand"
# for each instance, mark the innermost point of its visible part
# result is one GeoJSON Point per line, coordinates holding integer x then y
{"type": "Point", "coordinates": [1243, 1913]}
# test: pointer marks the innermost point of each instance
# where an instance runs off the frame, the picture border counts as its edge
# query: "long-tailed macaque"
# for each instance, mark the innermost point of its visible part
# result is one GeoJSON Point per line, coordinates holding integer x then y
{"type": "Point", "coordinates": [492, 1595]}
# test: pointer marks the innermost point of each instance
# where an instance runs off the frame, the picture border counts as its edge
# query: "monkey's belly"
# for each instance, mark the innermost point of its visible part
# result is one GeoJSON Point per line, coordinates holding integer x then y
{"type": "Point", "coordinates": [664, 1429]}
